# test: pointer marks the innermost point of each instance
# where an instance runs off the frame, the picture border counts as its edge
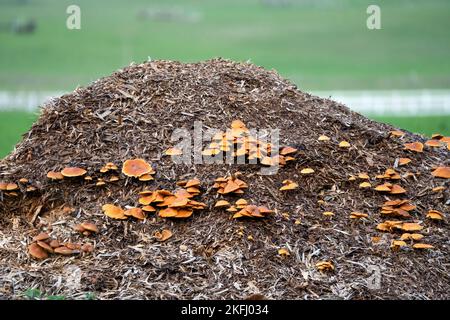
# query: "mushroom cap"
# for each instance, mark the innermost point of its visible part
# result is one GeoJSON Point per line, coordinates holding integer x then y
{"type": "Point", "coordinates": [148, 208]}
{"type": "Point", "coordinates": [53, 175]}
{"type": "Point", "coordinates": [90, 226]}
{"type": "Point", "coordinates": [63, 250]}
{"type": "Point", "coordinates": [135, 212]}
{"type": "Point", "coordinates": [54, 243]}
{"type": "Point", "coordinates": [113, 211]}
{"type": "Point", "coordinates": [41, 236]}
{"type": "Point", "coordinates": [307, 171]}
{"type": "Point", "coordinates": [37, 252]}
{"type": "Point", "coordinates": [422, 246]}
{"type": "Point", "coordinates": [222, 203]}
{"type": "Point", "coordinates": [12, 187]}
{"type": "Point", "coordinates": [287, 150]}
{"type": "Point", "coordinates": [241, 202]}
{"type": "Point", "coordinates": [403, 161]}
{"type": "Point", "coordinates": [414, 146]}
{"type": "Point", "coordinates": [192, 183]}
{"type": "Point", "coordinates": [433, 143]}
{"type": "Point", "coordinates": [184, 213]}
{"type": "Point", "coordinates": [136, 168]}
{"type": "Point", "coordinates": [441, 172]}
{"type": "Point", "coordinates": [145, 177]}
{"type": "Point", "coordinates": [72, 172]}
{"type": "Point", "coordinates": [45, 246]}
{"type": "Point", "coordinates": [163, 235]}
{"type": "Point", "coordinates": [168, 212]}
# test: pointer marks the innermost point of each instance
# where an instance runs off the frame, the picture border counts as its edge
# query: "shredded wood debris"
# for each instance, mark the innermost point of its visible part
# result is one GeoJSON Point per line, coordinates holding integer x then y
{"type": "Point", "coordinates": [93, 188]}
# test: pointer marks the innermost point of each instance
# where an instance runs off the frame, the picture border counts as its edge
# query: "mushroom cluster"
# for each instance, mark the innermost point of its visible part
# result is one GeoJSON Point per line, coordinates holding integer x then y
{"type": "Point", "coordinates": [43, 245]}
{"type": "Point", "coordinates": [241, 143]}
{"type": "Point", "coordinates": [242, 208]}
{"type": "Point", "coordinates": [230, 185]}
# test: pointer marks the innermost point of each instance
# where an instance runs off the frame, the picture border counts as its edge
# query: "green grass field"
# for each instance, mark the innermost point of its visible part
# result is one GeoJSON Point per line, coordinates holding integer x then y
{"type": "Point", "coordinates": [320, 45]}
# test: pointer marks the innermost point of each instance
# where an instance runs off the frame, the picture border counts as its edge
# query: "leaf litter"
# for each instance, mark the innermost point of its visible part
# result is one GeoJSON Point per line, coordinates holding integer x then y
{"type": "Point", "coordinates": [159, 230]}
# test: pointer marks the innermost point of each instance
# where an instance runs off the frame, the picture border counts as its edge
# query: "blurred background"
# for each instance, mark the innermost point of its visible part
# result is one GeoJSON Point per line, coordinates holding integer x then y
{"type": "Point", "coordinates": [399, 74]}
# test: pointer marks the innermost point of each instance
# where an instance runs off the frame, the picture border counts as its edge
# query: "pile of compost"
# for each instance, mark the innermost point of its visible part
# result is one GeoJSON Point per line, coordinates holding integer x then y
{"type": "Point", "coordinates": [324, 236]}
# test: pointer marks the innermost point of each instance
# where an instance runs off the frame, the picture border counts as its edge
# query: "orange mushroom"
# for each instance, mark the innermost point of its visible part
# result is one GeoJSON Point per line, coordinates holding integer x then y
{"type": "Point", "coordinates": [287, 150]}
{"type": "Point", "coordinates": [135, 212]}
{"type": "Point", "coordinates": [136, 168]}
{"type": "Point", "coordinates": [221, 203]}
{"type": "Point", "coordinates": [52, 175]}
{"type": "Point", "coordinates": [441, 172]}
{"type": "Point", "coordinates": [403, 161]}
{"type": "Point", "coordinates": [414, 146]}
{"type": "Point", "coordinates": [113, 211]}
{"type": "Point", "coordinates": [288, 185]}
{"type": "Point", "coordinates": [73, 172]}
{"type": "Point", "coordinates": [37, 252]}
{"type": "Point", "coordinates": [163, 235]}
{"type": "Point", "coordinates": [433, 143]}
{"type": "Point", "coordinates": [397, 133]}
{"type": "Point", "coordinates": [89, 226]}
{"type": "Point", "coordinates": [422, 246]}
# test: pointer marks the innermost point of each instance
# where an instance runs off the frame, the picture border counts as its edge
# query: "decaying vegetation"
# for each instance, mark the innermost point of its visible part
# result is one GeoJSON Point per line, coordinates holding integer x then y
{"type": "Point", "coordinates": [92, 188]}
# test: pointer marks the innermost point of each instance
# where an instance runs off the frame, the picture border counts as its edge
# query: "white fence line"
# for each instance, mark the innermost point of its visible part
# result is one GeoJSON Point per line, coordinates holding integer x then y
{"type": "Point", "coordinates": [393, 102]}
{"type": "Point", "coordinates": [25, 100]}
{"type": "Point", "coordinates": [389, 102]}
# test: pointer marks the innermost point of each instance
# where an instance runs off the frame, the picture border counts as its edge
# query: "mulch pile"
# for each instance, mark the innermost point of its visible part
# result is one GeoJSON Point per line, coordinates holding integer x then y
{"type": "Point", "coordinates": [294, 252]}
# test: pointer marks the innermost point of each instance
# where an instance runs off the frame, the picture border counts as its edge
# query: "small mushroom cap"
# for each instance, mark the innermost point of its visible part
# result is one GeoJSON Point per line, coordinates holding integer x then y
{"type": "Point", "coordinates": [63, 250]}
{"type": "Point", "coordinates": [55, 175]}
{"type": "Point", "coordinates": [72, 172]}
{"type": "Point", "coordinates": [136, 168]}
{"type": "Point", "coordinates": [37, 252]}
{"type": "Point", "coordinates": [287, 150]}
{"type": "Point", "coordinates": [163, 235]}
{"type": "Point", "coordinates": [192, 183]}
{"type": "Point", "coordinates": [422, 246]}
{"type": "Point", "coordinates": [307, 171]}
{"type": "Point", "coordinates": [12, 187]}
{"type": "Point", "coordinates": [54, 243]}
{"type": "Point", "coordinates": [135, 212]}
{"type": "Point", "coordinates": [90, 227]}
{"type": "Point", "coordinates": [41, 236]}
{"type": "Point", "coordinates": [113, 211]}
{"type": "Point", "coordinates": [414, 146]}
{"type": "Point", "coordinates": [168, 212]}
{"type": "Point", "coordinates": [442, 172]}
{"type": "Point", "coordinates": [241, 202]}
{"type": "Point", "coordinates": [222, 203]}
{"type": "Point", "coordinates": [45, 246]}
{"type": "Point", "coordinates": [433, 143]}
{"type": "Point", "coordinates": [148, 208]}
{"type": "Point", "coordinates": [145, 177]}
